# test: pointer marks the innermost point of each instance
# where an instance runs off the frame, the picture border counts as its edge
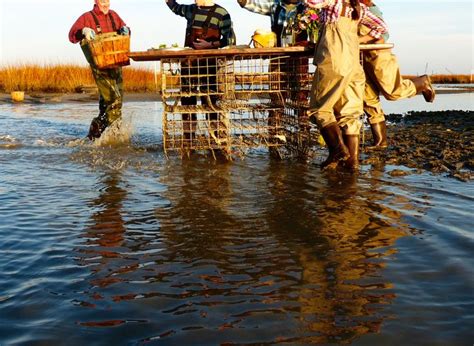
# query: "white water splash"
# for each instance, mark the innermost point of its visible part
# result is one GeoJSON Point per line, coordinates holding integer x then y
{"type": "Point", "coordinates": [117, 134]}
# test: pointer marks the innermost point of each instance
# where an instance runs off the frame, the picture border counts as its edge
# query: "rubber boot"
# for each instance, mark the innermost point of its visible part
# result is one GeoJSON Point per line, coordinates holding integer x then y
{"type": "Point", "coordinates": [352, 143]}
{"type": "Point", "coordinates": [379, 135]}
{"type": "Point", "coordinates": [96, 128]}
{"type": "Point", "coordinates": [337, 150]}
{"type": "Point", "coordinates": [423, 85]}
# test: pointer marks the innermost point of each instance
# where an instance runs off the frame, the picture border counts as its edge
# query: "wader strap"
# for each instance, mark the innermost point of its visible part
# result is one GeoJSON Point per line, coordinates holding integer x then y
{"type": "Point", "coordinates": [206, 24]}
{"type": "Point", "coordinates": [112, 21]}
{"type": "Point", "coordinates": [189, 28]}
{"type": "Point", "coordinates": [99, 29]}
{"type": "Point", "coordinates": [96, 20]}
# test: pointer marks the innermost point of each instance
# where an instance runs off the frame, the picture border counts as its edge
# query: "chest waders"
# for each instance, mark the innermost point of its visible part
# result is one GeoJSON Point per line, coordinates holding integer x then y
{"type": "Point", "coordinates": [110, 85]}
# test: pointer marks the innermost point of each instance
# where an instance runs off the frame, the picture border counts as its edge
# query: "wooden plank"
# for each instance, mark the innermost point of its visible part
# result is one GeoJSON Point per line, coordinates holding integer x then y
{"type": "Point", "coordinates": [158, 54]}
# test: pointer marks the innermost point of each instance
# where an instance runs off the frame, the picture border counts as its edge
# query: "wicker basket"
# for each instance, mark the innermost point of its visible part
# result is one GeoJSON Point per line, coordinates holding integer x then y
{"type": "Point", "coordinates": [108, 50]}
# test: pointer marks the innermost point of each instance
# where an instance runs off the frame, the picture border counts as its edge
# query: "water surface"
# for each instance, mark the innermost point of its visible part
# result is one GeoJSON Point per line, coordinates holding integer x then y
{"type": "Point", "coordinates": [118, 245]}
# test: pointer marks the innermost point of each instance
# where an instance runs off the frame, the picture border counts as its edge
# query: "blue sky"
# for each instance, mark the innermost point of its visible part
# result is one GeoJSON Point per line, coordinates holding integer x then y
{"type": "Point", "coordinates": [430, 36]}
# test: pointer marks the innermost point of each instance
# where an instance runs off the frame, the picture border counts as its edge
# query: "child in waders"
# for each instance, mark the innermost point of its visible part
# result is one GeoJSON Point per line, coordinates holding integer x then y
{"type": "Point", "coordinates": [337, 93]}
{"type": "Point", "coordinates": [383, 76]}
{"type": "Point", "coordinates": [109, 81]}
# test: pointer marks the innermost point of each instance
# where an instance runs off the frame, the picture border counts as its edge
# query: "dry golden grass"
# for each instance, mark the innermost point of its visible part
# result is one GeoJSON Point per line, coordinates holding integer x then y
{"type": "Point", "coordinates": [70, 78]}
{"type": "Point", "coordinates": [451, 78]}
{"type": "Point", "coordinates": [66, 78]}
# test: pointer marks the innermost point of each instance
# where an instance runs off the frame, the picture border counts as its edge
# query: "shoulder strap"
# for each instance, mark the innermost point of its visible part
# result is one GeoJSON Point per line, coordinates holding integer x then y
{"type": "Point", "coordinates": [207, 23]}
{"type": "Point", "coordinates": [96, 20]}
{"type": "Point", "coordinates": [114, 27]}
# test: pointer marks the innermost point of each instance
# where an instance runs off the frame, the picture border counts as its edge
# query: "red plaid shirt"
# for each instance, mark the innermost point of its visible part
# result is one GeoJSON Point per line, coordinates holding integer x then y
{"type": "Point", "coordinates": [87, 21]}
{"type": "Point", "coordinates": [332, 10]}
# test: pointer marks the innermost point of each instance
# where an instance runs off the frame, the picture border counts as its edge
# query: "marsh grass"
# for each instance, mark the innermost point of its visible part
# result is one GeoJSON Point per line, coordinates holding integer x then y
{"type": "Point", "coordinates": [67, 78]}
{"type": "Point", "coordinates": [71, 78]}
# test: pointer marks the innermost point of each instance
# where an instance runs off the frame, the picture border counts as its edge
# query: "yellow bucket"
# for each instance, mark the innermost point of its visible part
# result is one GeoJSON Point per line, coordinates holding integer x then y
{"type": "Point", "coordinates": [264, 39]}
{"type": "Point", "coordinates": [18, 96]}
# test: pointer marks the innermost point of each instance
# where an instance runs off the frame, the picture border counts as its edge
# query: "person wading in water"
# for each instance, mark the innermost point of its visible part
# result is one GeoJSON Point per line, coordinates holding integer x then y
{"type": "Point", "coordinates": [109, 81]}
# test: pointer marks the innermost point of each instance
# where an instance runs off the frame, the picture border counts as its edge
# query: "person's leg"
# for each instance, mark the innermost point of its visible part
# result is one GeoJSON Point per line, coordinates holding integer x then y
{"type": "Point", "coordinates": [375, 115]}
{"type": "Point", "coordinates": [382, 67]}
{"type": "Point", "coordinates": [348, 113]}
{"type": "Point", "coordinates": [349, 108]}
{"type": "Point", "coordinates": [330, 79]}
{"type": "Point", "coordinates": [109, 84]}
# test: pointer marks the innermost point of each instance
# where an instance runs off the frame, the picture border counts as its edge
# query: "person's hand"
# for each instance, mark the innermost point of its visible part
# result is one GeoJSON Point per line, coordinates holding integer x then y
{"type": "Point", "coordinates": [88, 33]}
{"type": "Point", "coordinates": [124, 31]}
{"type": "Point", "coordinates": [202, 44]}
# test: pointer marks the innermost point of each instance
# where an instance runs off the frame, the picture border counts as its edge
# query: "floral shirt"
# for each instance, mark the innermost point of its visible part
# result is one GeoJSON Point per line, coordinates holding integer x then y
{"type": "Point", "coordinates": [332, 10]}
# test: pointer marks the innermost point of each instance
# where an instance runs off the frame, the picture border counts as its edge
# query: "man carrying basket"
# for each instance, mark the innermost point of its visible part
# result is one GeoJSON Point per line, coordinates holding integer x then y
{"type": "Point", "coordinates": [102, 20]}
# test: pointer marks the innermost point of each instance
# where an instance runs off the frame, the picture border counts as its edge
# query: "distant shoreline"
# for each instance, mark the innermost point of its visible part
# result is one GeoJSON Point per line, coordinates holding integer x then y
{"type": "Point", "coordinates": [51, 98]}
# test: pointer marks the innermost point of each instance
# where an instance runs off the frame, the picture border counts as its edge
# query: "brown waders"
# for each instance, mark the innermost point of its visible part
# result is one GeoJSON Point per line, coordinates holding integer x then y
{"type": "Point", "coordinates": [337, 93]}
{"type": "Point", "coordinates": [384, 77]}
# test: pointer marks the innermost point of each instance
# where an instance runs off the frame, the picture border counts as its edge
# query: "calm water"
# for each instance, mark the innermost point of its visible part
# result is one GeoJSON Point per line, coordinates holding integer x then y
{"type": "Point", "coordinates": [117, 245]}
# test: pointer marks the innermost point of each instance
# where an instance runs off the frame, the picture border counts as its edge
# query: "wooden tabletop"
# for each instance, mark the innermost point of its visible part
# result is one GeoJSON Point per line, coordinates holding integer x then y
{"type": "Point", "coordinates": [166, 53]}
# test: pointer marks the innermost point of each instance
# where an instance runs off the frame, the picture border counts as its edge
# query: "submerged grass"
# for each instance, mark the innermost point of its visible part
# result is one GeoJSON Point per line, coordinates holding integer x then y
{"type": "Point", "coordinates": [68, 78]}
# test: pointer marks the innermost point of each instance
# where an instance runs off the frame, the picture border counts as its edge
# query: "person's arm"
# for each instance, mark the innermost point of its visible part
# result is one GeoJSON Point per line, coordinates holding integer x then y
{"type": "Point", "coordinates": [258, 6]}
{"type": "Point", "coordinates": [225, 26]}
{"type": "Point", "coordinates": [75, 34]}
{"type": "Point", "coordinates": [119, 22]}
{"type": "Point", "coordinates": [377, 25]}
{"type": "Point", "coordinates": [181, 10]}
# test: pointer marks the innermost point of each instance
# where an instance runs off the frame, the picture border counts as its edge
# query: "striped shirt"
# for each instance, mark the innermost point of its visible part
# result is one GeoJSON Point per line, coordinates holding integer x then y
{"type": "Point", "coordinates": [196, 17]}
{"type": "Point", "coordinates": [332, 10]}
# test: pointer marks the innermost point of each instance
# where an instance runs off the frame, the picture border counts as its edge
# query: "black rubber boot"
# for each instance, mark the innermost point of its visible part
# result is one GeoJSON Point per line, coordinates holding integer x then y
{"type": "Point", "coordinates": [337, 150]}
{"type": "Point", "coordinates": [96, 129]}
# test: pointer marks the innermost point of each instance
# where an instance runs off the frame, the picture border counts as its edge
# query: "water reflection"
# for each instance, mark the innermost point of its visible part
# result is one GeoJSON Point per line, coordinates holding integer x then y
{"type": "Point", "coordinates": [340, 252]}
{"type": "Point", "coordinates": [240, 247]}
{"type": "Point", "coordinates": [104, 235]}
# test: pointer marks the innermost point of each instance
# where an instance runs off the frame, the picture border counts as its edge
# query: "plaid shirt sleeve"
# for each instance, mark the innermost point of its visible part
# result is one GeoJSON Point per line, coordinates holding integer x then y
{"type": "Point", "coordinates": [260, 6]}
{"type": "Point", "coordinates": [376, 25]}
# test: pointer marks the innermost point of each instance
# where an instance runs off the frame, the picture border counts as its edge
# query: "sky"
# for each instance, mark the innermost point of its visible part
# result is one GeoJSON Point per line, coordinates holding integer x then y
{"type": "Point", "coordinates": [430, 36]}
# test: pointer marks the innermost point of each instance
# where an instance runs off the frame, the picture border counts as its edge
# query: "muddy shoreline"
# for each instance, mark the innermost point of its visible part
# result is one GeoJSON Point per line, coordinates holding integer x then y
{"type": "Point", "coordinates": [91, 95]}
{"type": "Point", "coordinates": [439, 142]}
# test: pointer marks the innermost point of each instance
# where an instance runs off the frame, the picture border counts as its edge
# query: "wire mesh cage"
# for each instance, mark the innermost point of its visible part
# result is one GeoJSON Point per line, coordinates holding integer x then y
{"type": "Point", "coordinates": [233, 103]}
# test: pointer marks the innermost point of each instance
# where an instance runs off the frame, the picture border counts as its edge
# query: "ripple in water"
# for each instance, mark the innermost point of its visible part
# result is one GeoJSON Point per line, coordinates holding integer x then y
{"type": "Point", "coordinates": [112, 242]}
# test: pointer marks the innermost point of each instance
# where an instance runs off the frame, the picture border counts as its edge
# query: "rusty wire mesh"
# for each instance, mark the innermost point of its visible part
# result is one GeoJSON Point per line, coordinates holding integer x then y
{"type": "Point", "coordinates": [234, 103]}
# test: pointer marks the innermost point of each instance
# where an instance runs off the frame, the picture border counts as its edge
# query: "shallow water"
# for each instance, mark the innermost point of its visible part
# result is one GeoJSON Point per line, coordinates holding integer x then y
{"type": "Point", "coordinates": [443, 102]}
{"type": "Point", "coordinates": [118, 245]}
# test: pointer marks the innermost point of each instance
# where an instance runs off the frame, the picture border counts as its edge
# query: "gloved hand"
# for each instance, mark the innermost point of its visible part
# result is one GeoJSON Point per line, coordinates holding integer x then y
{"type": "Point", "coordinates": [124, 31]}
{"type": "Point", "coordinates": [89, 34]}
